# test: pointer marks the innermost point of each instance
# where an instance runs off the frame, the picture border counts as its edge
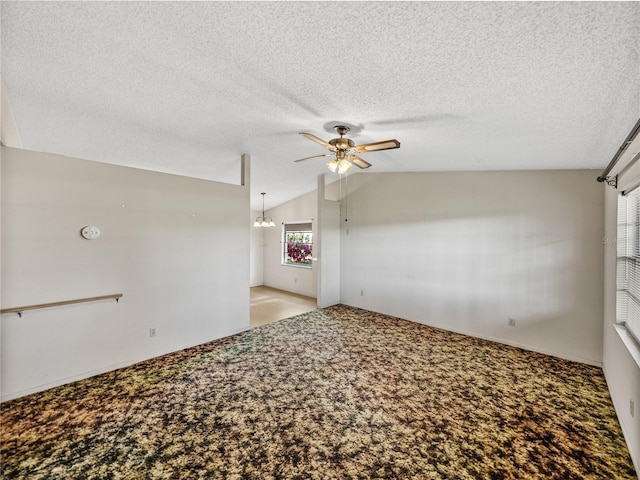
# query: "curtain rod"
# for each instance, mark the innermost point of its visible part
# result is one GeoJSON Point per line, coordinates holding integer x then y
{"type": "Point", "coordinates": [628, 166]}
{"type": "Point", "coordinates": [630, 138]}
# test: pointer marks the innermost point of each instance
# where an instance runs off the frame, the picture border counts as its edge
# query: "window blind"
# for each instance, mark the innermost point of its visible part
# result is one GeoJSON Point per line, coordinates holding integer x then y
{"type": "Point", "coordinates": [628, 263]}
{"type": "Point", "coordinates": [297, 227]}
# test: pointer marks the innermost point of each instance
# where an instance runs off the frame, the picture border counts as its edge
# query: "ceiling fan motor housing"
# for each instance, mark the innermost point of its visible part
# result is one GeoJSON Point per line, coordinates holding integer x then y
{"type": "Point", "coordinates": [342, 143]}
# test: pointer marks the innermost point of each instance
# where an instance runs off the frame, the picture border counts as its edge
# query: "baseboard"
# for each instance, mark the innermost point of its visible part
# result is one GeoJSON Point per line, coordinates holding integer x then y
{"type": "Point", "coordinates": [289, 290]}
{"type": "Point", "coordinates": [625, 430]}
{"type": "Point", "coordinates": [524, 346]}
{"type": "Point", "coordinates": [468, 333]}
{"type": "Point", "coordinates": [109, 368]}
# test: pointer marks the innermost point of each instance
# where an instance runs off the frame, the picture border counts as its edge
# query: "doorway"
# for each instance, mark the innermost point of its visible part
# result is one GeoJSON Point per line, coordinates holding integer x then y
{"type": "Point", "coordinates": [269, 305]}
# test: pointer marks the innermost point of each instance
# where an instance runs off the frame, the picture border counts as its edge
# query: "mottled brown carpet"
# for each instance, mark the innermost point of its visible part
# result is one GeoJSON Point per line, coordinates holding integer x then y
{"type": "Point", "coordinates": [338, 393]}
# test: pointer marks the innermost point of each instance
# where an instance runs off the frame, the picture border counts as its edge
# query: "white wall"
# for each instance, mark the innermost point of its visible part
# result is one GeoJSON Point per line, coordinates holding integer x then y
{"type": "Point", "coordinates": [620, 368]}
{"type": "Point", "coordinates": [327, 247]}
{"type": "Point", "coordinates": [286, 277]}
{"type": "Point", "coordinates": [256, 255]}
{"type": "Point", "coordinates": [176, 247]}
{"type": "Point", "coordinates": [467, 251]}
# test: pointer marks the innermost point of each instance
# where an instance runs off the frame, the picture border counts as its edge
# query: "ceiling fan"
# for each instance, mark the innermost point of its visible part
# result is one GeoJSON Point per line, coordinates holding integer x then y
{"type": "Point", "coordinates": [345, 150]}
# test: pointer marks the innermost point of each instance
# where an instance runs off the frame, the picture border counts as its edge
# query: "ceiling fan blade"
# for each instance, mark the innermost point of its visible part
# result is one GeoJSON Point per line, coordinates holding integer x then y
{"type": "Point", "coordinates": [315, 156]}
{"type": "Point", "coordinates": [317, 140]}
{"type": "Point", "coordinates": [358, 162]}
{"type": "Point", "coordinates": [372, 147]}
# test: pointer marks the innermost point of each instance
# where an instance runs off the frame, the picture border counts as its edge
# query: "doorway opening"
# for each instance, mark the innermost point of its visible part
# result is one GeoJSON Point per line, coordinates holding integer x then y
{"type": "Point", "coordinates": [269, 305]}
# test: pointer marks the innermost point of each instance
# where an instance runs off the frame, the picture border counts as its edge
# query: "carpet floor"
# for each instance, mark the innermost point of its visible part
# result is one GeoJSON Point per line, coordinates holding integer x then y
{"type": "Point", "coordinates": [337, 393]}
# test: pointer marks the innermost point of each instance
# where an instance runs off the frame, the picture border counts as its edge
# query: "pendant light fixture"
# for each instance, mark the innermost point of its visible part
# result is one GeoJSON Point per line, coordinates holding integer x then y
{"type": "Point", "coordinates": [340, 164]}
{"type": "Point", "coordinates": [263, 221]}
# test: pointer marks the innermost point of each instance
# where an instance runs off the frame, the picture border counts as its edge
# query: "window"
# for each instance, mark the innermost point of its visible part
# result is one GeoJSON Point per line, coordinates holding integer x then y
{"type": "Point", "coordinates": [297, 244]}
{"type": "Point", "coordinates": [628, 267]}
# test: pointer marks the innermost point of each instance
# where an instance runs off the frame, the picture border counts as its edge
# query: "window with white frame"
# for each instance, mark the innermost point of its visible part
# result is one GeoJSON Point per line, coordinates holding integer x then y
{"type": "Point", "coordinates": [628, 265]}
{"type": "Point", "coordinates": [297, 244]}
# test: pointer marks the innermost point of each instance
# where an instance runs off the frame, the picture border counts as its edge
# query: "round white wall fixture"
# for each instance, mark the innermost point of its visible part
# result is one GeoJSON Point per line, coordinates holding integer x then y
{"type": "Point", "coordinates": [90, 233]}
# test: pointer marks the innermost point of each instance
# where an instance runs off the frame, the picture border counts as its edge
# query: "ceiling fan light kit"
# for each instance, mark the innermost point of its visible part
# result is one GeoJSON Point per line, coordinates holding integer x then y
{"type": "Point", "coordinates": [345, 150]}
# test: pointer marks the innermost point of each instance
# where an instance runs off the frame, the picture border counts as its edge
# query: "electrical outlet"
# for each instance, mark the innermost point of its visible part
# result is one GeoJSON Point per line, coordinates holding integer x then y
{"type": "Point", "coordinates": [632, 407]}
{"type": "Point", "coordinates": [512, 322]}
{"type": "Point", "coordinates": [152, 332]}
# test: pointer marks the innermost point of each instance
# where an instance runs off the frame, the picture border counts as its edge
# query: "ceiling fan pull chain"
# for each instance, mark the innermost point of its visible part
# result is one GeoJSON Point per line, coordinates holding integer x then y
{"type": "Point", "coordinates": [346, 196]}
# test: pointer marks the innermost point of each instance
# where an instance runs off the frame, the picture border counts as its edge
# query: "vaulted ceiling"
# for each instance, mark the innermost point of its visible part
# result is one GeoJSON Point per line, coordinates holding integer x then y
{"type": "Point", "coordinates": [187, 87]}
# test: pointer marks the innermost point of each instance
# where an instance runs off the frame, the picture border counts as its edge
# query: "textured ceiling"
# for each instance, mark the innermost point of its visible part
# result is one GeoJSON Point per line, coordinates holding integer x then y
{"type": "Point", "coordinates": [187, 88]}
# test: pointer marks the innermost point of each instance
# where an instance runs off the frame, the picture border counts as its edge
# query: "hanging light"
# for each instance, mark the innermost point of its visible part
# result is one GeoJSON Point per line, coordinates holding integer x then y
{"type": "Point", "coordinates": [339, 164]}
{"type": "Point", "coordinates": [344, 166]}
{"type": "Point", "coordinates": [263, 221]}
